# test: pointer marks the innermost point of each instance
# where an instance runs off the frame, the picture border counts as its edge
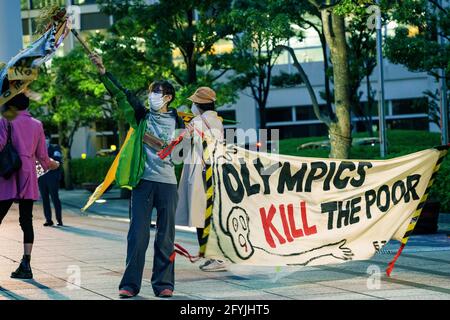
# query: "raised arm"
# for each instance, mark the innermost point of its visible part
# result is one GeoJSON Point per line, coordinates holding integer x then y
{"type": "Point", "coordinates": [133, 110]}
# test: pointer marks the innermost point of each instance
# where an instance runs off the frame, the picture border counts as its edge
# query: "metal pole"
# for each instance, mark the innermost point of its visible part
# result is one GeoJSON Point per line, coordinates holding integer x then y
{"type": "Point", "coordinates": [444, 107]}
{"type": "Point", "coordinates": [381, 102]}
{"type": "Point", "coordinates": [443, 90]}
{"type": "Point", "coordinates": [30, 23]}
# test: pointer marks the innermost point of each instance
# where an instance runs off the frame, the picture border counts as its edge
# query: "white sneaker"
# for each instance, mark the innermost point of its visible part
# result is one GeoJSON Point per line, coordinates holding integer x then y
{"type": "Point", "coordinates": [214, 265]}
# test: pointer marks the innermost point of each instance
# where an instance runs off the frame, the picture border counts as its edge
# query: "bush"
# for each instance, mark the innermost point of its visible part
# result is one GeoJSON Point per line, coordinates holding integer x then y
{"type": "Point", "coordinates": [93, 170]}
{"type": "Point", "coordinates": [90, 170]}
{"type": "Point", "coordinates": [401, 142]}
{"type": "Point", "coordinates": [440, 189]}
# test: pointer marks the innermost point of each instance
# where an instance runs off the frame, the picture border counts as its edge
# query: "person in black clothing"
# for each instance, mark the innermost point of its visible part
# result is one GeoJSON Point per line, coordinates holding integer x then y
{"type": "Point", "coordinates": [49, 186]}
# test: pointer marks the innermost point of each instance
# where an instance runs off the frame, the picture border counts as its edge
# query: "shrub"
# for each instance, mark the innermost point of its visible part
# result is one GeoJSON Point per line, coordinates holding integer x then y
{"type": "Point", "coordinates": [440, 189]}
{"type": "Point", "coordinates": [93, 170]}
{"type": "Point", "coordinates": [401, 142]}
{"type": "Point", "coordinates": [90, 170]}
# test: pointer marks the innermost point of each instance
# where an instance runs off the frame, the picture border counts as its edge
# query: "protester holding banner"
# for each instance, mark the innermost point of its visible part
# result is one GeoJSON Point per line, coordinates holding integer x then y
{"type": "Point", "coordinates": [192, 189]}
{"type": "Point", "coordinates": [27, 137]}
{"type": "Point", "coordinates": [151, 179]}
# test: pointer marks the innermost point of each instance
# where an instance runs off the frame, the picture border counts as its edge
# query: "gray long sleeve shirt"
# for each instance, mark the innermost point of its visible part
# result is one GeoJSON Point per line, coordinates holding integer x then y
{"type": "Point", "coordinates": [162, 126]}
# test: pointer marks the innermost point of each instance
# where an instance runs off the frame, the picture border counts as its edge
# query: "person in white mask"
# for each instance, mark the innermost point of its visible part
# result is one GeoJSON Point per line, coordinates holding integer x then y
{"type": "Point", "coordinates": [192, 193]}
{"type": "Point", "coordinates": [152, 180]}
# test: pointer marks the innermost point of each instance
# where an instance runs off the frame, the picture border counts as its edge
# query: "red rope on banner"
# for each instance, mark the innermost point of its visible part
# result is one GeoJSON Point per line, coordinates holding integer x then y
{"type": "Point", "coordinates": [168, 150]}
{"type": "Point", "coordinates": [392, 263]}
{"type": "Point", "coordinates": [164, 153]}
{"type": "Point", "coordinates": [183, 252]}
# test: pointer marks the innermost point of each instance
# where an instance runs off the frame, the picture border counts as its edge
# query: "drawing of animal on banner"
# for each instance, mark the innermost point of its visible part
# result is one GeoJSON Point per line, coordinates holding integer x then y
{"type": "Point", "coordinates": [283, 210]}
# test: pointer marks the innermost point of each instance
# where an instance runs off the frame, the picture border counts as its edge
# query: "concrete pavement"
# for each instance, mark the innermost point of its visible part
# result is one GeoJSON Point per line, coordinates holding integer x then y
{"type": "Point", "coordinates": [85, 259]}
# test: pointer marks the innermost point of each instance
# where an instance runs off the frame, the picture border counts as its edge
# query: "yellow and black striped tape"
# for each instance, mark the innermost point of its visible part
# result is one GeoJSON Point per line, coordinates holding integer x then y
{"type": "Point", "coordinates": [209, 198]}
{"type": "Point", "coordinates": [424, 198]}
{"type": "Point", "coordinates": [412, 224]}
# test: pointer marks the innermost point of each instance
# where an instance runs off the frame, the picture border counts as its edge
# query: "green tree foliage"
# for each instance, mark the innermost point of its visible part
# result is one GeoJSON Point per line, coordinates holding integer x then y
{"type": "Point", "coordinates": [70, 97]}
{"type": "Point", "coordinates": [173, 39]}
{"type": "Point", "coordinates": [421, 41]}
{"type": "Point", "coordinates": [415, 43]}
{"type": "Point", "coordinates": [263, 27]}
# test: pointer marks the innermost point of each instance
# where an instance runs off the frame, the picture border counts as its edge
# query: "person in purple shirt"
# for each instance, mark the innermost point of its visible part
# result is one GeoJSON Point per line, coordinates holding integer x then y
{"type": "Point", "coordinates": [28, 138]}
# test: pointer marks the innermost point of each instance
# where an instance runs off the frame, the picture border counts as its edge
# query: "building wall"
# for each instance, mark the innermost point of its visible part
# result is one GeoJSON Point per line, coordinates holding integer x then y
{"type": "Point", "coordinates": [10, 30]}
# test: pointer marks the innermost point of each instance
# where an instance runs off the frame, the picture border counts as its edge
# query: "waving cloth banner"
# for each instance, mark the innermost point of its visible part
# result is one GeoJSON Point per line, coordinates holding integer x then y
{"type": "Point", "coordinates": [22, 69]}
{"type": "Point", "coordinates": [281, 210]}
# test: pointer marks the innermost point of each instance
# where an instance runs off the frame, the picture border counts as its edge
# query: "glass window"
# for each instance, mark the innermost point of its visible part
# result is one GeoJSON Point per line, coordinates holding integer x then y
{"type": "Point", "coordinates": [25, 24]}
{"type": "Point", "coordinates": [81, 2]}
{"type": "Point", "coordinates": [374, 108]}
{"type": "Point", "coordinates": [94, 21]}
{"type": "Point", "coordinates": [303, 130]}
{"type": "Point", "coordinates": [312, 54]}
{"type": "Point", "coordinates": [410, 106]}
{"type": "Point", "coordinates": [304, 113]}
{"type": "Point", "coordinates": [39, 4]}
{"type": "Point", "coordinates": [279, 114]}
{"type": "Point", "coordinates": [227, 115]}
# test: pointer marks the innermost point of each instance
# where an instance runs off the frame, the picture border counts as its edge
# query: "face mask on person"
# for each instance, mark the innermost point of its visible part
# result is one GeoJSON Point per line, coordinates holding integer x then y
{"type": "Point", "coordinates": [195, 110]}
{"type": "Point", "coordinates": [156, 101]}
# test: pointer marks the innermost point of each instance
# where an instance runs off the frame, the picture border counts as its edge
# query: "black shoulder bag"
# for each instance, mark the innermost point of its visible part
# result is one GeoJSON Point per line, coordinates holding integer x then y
{"type": "Point", "coordinates": [9, 158]}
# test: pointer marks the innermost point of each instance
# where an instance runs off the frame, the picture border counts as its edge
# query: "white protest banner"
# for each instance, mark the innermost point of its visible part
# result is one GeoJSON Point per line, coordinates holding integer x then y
{"type": "Point", "coordinates": [282, 210]}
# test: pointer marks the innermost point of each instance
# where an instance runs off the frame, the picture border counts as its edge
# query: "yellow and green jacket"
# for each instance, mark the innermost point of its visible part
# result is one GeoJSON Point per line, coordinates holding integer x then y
{"type": "Point", "coordinates": [132, 158]}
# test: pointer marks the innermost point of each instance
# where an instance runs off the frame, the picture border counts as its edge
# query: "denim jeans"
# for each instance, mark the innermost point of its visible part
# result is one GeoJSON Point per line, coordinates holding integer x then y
{"type": "Point", "coordinates": [146, 196]}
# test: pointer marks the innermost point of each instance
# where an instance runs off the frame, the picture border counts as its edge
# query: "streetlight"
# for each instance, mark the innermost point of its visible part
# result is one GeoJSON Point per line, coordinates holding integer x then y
{"type": "Point", "coordinates": [381, 102]}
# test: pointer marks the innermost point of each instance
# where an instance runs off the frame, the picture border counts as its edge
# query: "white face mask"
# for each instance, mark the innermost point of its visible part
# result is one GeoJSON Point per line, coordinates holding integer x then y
{"type": "Point", "coordinates": [156, 101]}
{"type": "Point", "coordinates": [195, 110]}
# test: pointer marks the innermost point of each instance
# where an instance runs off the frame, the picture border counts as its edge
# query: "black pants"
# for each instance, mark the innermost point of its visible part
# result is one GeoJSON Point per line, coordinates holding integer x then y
{"type": "Point", "coordinates": [25, 217]}
{"type": "Point", "coordinates": [49, 187]}
{"type": "Point", "coordinates": [200, 235]}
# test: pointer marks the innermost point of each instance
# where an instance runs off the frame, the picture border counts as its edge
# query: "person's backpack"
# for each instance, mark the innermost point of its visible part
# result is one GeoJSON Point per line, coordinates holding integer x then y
{"type": "Point", "coordinates": [9, 158]}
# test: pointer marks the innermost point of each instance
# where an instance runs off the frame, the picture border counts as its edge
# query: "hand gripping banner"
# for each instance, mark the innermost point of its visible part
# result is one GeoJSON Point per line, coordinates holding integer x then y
{"type": "Point", "coordinates": [280, 210]}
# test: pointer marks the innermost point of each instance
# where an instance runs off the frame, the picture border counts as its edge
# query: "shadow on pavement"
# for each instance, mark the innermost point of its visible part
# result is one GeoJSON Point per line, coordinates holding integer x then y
{"type": "Point", "coordinates": [92, 233]}
{"type": "Point", "coordinates": [11, 295]}
{"type": "Point", "coordinates": [52, 294]}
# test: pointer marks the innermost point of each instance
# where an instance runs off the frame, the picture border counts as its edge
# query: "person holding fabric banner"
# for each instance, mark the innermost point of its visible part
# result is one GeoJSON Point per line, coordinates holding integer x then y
{"type": "Point", "coordinates": [192, 189]}
{"type": "Point", "coordinates": [27, 136]}
{"type": "Point", "coordinates": [152, 180]}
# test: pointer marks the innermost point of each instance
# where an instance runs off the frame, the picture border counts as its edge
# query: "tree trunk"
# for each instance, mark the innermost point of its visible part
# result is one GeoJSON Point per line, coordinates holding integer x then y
{"type": "Point", "coordinates": [340, 131]}
{"type": "Point", "coordinates": [262, 116]}
{"type": "Point", "coordinates": [325, 67]}
{"type": "Point", "coordinates": [192, 71]}
{"type": "Point", "coordinates": [191, 63]}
